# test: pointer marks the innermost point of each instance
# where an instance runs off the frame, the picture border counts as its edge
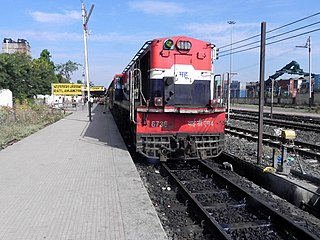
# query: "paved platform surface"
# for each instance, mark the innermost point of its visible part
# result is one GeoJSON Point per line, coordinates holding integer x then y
{"type": "Point", "coordinates": [74, 180]}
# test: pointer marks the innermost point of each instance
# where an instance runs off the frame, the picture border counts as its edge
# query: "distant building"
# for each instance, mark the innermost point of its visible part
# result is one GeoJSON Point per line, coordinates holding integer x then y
{"type": "Point", "coordinates": [10, 46]}
{"type": "Point", "coordinates": [282, 87]}
{"type": "Point", "coordinates": [238, 89]}
{"type": "Point", "coordinates": [252, 89]}
{"type": "Point", "coordinates": [5, 98]}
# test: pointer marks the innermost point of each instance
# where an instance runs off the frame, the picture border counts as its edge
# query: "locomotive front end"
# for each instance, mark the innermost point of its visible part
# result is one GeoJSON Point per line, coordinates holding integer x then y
{"type": "Point", "coordinates": [181, 118]}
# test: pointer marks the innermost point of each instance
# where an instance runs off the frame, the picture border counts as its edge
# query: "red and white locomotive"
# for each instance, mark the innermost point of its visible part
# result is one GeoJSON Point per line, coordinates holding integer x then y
{"type": "Point", "coordinates": [166, 95]}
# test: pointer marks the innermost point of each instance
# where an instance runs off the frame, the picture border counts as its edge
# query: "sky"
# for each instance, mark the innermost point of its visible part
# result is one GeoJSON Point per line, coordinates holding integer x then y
{"type": "Point", "coordinates": [118, 29]}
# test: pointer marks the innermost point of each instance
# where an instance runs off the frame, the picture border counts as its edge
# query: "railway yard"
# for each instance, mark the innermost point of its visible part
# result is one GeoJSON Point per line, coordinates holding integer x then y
{"type": "Point", "coordinates": [182, 140]}
{"type": "Point", "coordinates": [233, 197]}
{"type": "Point", "coordinates": [228, 197]}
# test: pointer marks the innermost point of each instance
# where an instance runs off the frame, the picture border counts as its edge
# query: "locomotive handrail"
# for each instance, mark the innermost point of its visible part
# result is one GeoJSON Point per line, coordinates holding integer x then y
{"type": "Point", "coordinates": [131, 105]}
{"type": "Point", "coordinates": [134, 87]}
{"type": "Point", "coordinates": [140, 84]}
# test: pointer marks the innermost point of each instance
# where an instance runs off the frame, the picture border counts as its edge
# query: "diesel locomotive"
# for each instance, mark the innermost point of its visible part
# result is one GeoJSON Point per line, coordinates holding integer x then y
{"type": "Point", "coordinates": [168, 98]}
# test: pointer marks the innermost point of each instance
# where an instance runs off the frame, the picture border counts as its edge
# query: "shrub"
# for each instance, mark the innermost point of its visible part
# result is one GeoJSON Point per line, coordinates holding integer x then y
{"type": "Point", "coordinates": [25, 119]}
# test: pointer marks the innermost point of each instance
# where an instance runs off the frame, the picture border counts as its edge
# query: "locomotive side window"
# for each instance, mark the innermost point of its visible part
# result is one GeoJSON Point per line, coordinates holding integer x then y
{"type": "Point", "coordinates": [145, 67]}
{"type": "Point", "coordinates": [118, 83]}
{"type": "Point", "coordinates": [156, 90]}
{"type": "Point", "coordinates": [118, 90]}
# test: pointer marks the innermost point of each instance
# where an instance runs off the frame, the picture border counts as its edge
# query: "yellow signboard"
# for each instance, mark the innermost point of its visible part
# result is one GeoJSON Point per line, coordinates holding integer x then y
{"type": "Point", "coordinates": [66, 89]}
{"type": "Point", "coordinates": [72, 89]}
{"type": "Point", "coordinates": [96, 89]}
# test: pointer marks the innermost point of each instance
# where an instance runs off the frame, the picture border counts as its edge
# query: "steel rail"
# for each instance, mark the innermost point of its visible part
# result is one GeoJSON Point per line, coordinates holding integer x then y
{"type": "Point", "coordinates": [259, 205]}
{"type": "Point", "coordinates": [271, 182]}
{"type": "Point", "coordinates": [305, 149]}
{"type": "Point", "coordinates": [212, 225]}
{"type": "Point", "coordinates": [280, 116]}
{"type": "Point", "coordinates": [280, 123]}
{"type": "Point", "coordinates": [253, 202]}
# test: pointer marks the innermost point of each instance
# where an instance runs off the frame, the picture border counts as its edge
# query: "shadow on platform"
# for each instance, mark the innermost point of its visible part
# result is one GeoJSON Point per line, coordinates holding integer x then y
{"type": "Point", "coordinates": [103, 128]}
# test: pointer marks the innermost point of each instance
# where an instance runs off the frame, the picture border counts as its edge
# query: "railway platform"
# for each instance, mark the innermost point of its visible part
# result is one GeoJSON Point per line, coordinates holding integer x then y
{"type": "Point", "coordinates": [74, 180]}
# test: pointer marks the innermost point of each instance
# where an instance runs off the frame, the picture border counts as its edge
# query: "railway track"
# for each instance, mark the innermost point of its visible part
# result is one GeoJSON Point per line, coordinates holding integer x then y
{"type": "Point", "coordinates": [302, 194]}
{"type": "Point", "coordinates": [285, 117]}
{"type": "Point", "coordinates": [303, 148]}
{"type": "Point", "coordinates": [228, 209]}
{"type": "Point", "coordinates": [279, 123]}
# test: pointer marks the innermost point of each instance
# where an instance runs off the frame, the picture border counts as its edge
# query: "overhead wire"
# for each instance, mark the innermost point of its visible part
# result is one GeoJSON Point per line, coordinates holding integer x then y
{"type": "Point", "coordinates": [298, 35]}
{"type": "Point", "coordinates": [269, 43]}
{"type": "Point", "coordinates": [272, 30]}
{"type": "Point", "coordinates": [275, 36]}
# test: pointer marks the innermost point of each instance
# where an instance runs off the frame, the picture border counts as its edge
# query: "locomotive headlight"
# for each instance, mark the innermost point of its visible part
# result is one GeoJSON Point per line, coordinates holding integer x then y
{"type": "Point", "coordinates": [158, 101]}
{"type": "Point", "coordinates": [184, 45]}
{"type": "Point", "coordinates": [168, 44]}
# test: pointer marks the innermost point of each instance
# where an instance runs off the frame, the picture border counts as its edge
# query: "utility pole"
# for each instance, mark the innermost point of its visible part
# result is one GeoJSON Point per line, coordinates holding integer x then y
{"type": "Point", "coordinates": [230, 73]}
{"type": "Point", "coordinates": [261, 94]}
{"type": "Point", "coordinates": [85, 18]}
{"type": "Point", "coordinates": [271, 105]}
{"type": "Point", "coordinates": [308, 45]}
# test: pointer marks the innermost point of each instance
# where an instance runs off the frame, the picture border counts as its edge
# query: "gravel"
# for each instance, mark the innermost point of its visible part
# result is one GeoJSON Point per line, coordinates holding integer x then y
{"type": "Point", "coordinates": [247, 149]}
{"type": "Point", "coordinates": [173, 214]}
{"type": "Point", "coordinates": [178, 221]}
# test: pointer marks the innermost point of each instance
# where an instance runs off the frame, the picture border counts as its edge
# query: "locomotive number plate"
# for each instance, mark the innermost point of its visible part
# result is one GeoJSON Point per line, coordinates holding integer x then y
{"type": "Point", "coordinates": [156, 124]}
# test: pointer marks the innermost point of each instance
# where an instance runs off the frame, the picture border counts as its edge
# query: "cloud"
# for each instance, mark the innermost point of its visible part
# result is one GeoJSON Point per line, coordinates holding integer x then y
{"type": "Point", "coordinates": [217, 28]}
{"type": "Point", "coordinates": [66, 17]}
{"type": "Point", "coordinates": [219, 33]}
{"type": "Point", "coordinates": [111, 37]}
{"type": "Point", "coordinates": [115, 37]}
{"type": "Point", "coordinates": [158, 7]}
{"type": "Point", "coordinates": [42, 36]}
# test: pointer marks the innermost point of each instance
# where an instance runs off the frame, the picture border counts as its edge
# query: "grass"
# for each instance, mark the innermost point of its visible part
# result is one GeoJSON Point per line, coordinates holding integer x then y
{"type": "Point", "coordinates": [23, 120]}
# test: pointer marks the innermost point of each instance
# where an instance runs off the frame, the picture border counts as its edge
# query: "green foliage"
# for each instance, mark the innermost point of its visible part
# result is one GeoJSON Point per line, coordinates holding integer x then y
{"type": "Point", "coordinates": [15, 73]}
{"type": "Point", "coordinates": [66, 69]}
{"type": "Point", "coordinates": [27, 77]}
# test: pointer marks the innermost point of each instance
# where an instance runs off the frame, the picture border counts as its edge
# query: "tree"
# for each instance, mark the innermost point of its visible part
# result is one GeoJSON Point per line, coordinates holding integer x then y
{"type": "Point", "coordinates": [27, 77]}
{"type": "Point", "coordinates": [15, 74]}
{"type": "Point", "coordinates": [45, 56]}
{"type": "Point", "coordinates": [42, 74]}
{"type": "Point", "coordinates": [67, 69]}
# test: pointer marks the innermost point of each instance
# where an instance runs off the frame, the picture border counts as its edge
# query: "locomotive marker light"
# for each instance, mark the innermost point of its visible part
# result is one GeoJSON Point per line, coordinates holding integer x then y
{"type": "Point", "coordinates": [168, 44]}
{"type": "Point", "coordinates": [158, 101]}
{"type": "Point", "coordinates": [215, 53]}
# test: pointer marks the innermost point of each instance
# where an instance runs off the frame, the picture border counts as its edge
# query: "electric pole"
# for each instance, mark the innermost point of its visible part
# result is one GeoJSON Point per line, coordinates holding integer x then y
{"type": "Point", "coordinates": [85, 18]}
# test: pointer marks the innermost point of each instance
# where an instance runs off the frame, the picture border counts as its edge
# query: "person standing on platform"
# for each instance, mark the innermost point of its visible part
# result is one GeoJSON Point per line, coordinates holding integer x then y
{"type": "Point", "coordinates": [106, 103]}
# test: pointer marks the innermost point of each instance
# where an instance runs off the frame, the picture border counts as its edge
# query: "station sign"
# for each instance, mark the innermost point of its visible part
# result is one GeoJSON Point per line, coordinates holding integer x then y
{"type": "Point", "coordinates": [96, 89]}
{"type": "Point", "coordinates": [60, 89]}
